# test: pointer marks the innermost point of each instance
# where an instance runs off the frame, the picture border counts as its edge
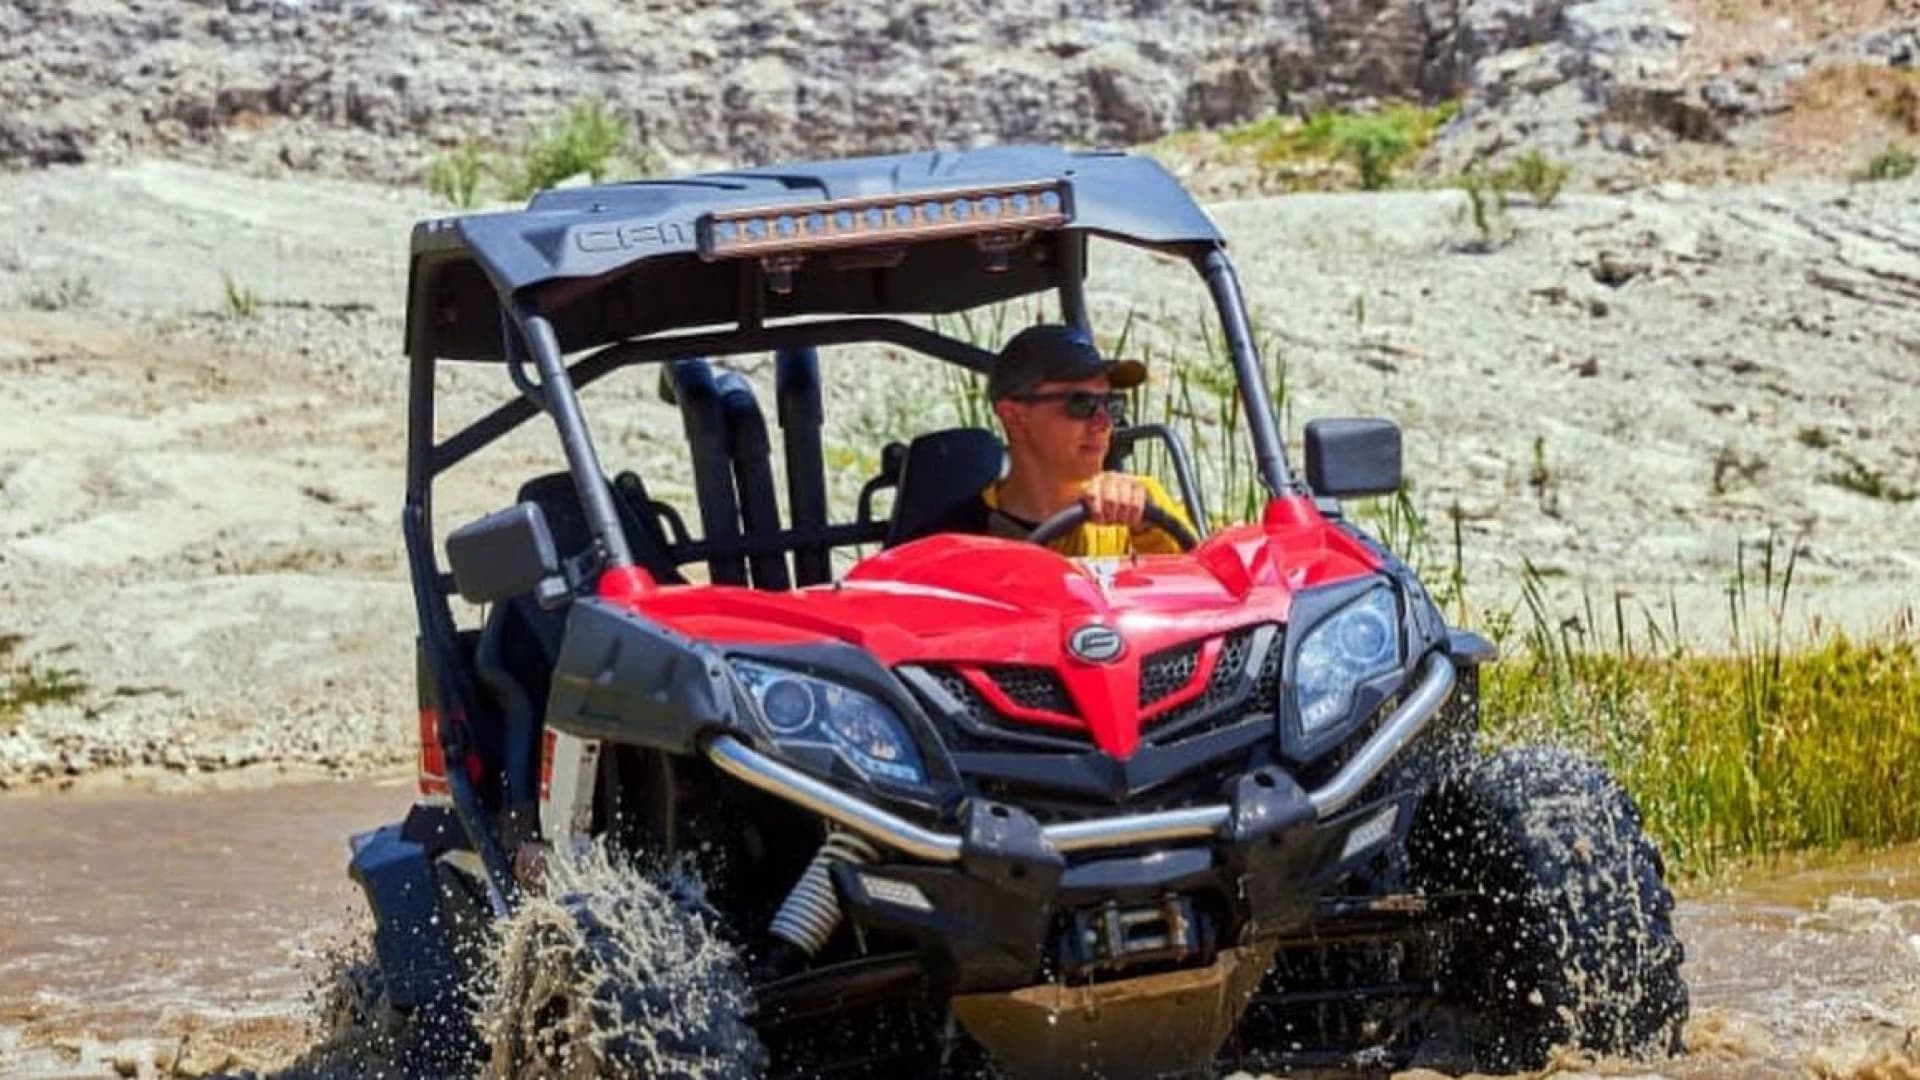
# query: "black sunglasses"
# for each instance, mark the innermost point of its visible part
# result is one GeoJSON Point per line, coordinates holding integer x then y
{"type": "Point", "coordinates": [1080, 404]}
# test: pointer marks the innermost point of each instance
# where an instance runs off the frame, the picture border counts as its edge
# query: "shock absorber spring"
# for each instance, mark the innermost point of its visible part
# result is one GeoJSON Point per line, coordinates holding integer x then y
{"type": "Point", "coordinates": [810, 912]}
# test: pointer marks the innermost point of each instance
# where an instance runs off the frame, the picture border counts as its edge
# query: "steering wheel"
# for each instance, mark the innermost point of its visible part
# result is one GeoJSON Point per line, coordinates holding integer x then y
{"type": "Point", "coordinates": [1076, 515]}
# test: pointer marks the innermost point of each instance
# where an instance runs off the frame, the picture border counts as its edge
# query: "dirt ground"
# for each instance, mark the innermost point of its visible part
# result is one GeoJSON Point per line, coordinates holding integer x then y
{"type": "Point", "coordinates": [202, 424]}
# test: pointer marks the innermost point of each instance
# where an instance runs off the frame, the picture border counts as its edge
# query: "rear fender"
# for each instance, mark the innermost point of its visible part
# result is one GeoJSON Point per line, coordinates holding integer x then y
{"type": "Point", "coordinates": [412, 943]}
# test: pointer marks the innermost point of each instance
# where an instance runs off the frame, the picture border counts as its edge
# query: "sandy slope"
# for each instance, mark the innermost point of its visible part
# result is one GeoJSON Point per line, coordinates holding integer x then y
{"type": "Point", "coordinates": [198, 512]}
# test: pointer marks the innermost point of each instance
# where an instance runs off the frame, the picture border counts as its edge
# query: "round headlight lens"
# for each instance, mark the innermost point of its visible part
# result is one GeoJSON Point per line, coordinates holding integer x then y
{"type": "Point", "coordinates": [1365, 637]}
{"type": "Point", "coordinates": [788, 706]}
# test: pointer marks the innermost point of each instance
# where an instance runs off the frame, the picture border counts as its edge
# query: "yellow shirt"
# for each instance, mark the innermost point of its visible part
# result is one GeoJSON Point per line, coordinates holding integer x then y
{"type": "Point", "coordinates": [1099, 541]}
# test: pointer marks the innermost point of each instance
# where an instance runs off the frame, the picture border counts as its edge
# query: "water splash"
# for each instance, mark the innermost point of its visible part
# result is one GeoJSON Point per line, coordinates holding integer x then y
{"type": "Point", "coordinates": [616, 971]}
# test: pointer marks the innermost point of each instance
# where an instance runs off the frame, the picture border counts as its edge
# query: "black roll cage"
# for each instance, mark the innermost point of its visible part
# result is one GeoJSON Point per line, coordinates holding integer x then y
{"type": "Point", "coordinates": [527, 330]}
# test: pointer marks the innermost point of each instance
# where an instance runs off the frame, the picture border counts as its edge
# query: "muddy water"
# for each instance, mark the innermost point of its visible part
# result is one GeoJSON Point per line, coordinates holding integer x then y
{"type": "Point", "coordinates": [145, 932]}
{"type": "Point", "coordinates": [183, 928]}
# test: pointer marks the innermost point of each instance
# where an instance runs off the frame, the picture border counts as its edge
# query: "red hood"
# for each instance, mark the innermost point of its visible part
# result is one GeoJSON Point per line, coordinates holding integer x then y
{"type": "Point", "coordinates": [970, 601]}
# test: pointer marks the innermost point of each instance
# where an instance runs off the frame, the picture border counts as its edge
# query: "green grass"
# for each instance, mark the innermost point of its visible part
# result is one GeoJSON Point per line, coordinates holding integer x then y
{"type": "Point", "coordinates": [1374, 145]}
{"type": "Point", "coordinates": [1487, 209]}
{"type": "Point", "coordinates": [587, 140]}
{"type": "Point", "coordinates": [25, 683]}
{"type": "Point", "coordinates": [242, 301]}
{"type": "Point", "coordinates": [457, 174]}
{"type": "Point", "coordinates": [1732, 755]}
{"type": "Point", "coordinates": [1539, 176]}
{"type": "Point", "coordinates": [1532, 173]}
{"type": "Point", "coordinates": [1327, 150]}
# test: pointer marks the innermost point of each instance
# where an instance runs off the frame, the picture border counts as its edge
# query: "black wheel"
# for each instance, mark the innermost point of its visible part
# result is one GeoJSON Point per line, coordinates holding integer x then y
{"type": "Point", "coordinates": [613, 975]}
{"type": "Point", "coordinates": [1565, 935]}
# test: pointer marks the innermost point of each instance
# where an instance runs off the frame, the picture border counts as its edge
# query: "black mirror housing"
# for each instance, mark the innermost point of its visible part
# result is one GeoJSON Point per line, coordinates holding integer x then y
{"type": "Point", "coordinates": [504, 554]}
{"type": "Point", "coordinates": [1352, 458]}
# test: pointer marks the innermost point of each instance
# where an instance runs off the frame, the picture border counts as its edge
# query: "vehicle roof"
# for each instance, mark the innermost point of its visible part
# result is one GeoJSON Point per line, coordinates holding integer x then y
{"type": "Point", "coordinates": [616, 261]}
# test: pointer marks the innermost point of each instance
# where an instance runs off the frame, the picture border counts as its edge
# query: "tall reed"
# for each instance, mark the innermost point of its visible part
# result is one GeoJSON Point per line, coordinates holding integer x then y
{"type": "Point", "coordinates": [1735, 754]}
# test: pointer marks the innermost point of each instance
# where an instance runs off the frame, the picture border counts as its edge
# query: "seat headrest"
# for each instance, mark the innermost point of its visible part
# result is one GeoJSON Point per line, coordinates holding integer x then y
{"type": "Point", "coordinates": [942, 470]}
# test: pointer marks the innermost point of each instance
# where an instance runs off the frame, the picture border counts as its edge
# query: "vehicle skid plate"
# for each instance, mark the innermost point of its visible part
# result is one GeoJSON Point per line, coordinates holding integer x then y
{"type": "Point", "coordinates": [1152, 1025]}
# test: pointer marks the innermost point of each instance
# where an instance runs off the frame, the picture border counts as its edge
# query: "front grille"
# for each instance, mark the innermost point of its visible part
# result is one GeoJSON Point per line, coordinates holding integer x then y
{"type": "Point", "coordinates": [1031, 687]}
{"type": "Point", "coordinates": [973, 724]}
{"type": "Point", "coordinates": [1167, 672]}
{"type": "Point", "coordinates": [1230, 696]}
{"type": "Point", "coordinates": [1245, 682]}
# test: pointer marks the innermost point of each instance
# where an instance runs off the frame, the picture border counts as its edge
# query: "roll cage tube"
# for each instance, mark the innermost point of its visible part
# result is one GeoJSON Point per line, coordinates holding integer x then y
{"type": "Point", "coordinates": [504, 418]}
{"type": "Point", "coordinates": [438, 635]}
{"type": "Point", "coordinates": [556, 389]}
{"type": "Point", "coordinates": [1269, 452]}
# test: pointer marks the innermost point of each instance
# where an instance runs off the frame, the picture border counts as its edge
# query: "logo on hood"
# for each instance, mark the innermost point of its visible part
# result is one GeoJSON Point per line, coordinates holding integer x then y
{"type": "Point", "coordinates": [1096, 644]}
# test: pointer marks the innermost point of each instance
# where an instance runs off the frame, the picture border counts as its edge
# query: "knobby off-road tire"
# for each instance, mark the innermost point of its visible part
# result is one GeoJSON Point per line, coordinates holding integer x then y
{"type": "Point", "coordinates": [624, 983]}
{"type": "Point", "coordinates": [1567, 937]}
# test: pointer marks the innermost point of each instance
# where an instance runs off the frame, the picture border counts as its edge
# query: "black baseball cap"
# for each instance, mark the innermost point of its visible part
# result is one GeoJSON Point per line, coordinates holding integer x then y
{"type": "Point", "coordinates": [1051, 352]}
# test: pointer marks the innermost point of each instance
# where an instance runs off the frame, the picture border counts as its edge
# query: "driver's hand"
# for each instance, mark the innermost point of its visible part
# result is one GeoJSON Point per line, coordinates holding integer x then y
{"type": "Point", "coordinates": [1115, 499]}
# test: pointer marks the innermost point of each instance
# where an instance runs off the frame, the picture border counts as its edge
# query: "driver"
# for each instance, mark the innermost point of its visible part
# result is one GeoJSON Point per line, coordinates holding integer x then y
{"type": "Point", "coordinates": [1055, 396]}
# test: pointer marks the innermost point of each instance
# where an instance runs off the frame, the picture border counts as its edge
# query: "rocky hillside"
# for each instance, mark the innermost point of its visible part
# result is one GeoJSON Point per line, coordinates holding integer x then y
{"type": "Point", "coordinates": [371, 88]}
{"type": "Point", "coordinates": [200, 389]}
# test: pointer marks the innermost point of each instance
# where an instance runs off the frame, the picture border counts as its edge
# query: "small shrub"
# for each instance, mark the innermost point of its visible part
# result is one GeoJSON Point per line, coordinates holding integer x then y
{"type": "Point", "coordinates": [455, 175]}
{"type": "Point", "coordinates": [1541, 479]}
{"type": "Point", "coordinates": [1730, 466]}
{"type": "Point", "coordinates": [1537, 175]}
{"type": "Point", "coordinates": [1893, 162]}
{"type": "Point", "coordinates": [24, 683]}
{"type": "Point", "coordinates": [1862, 479]}
{"type": "Point", "coordinates": [1294, 153]}
{"type": "Point", "coordinates": [1814, 438]}
{"type": "Point", "coordinates": [73, 292]}
{"type": "Point", "coordinates": [242, 302]}
{"type": "Point", "coordinates": [588, 139]}
{"type": "Point", "coordinates": [1486, 208]}
{"type": "Point", "coordinates": [1374, 144]}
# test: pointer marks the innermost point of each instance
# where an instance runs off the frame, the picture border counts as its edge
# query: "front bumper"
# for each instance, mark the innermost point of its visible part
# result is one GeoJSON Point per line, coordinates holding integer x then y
{"type": "Point", "coordinates": [1131, 830]}
{"type": "Point", "coordinates": [988, 897]}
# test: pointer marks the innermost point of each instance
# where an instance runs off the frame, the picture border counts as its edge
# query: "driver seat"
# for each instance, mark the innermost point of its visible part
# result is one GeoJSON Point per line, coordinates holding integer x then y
{"type": "Point", "coordinates": [941, 471]}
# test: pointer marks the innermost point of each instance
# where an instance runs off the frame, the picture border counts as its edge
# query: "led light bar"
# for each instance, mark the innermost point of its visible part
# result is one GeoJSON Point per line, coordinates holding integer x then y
{"type": "Point", "coordinates": [889, 219]}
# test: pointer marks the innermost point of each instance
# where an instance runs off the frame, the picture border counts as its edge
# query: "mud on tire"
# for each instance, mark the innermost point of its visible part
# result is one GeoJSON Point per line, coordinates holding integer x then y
{"type": "Point", "coordinates": [616, 976]}
{"type": "Point", "coordinates": [1567, 934]}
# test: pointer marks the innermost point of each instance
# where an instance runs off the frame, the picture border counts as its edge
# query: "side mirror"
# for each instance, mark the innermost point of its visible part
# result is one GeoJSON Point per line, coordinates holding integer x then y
{"type": "Point", "coordinates": [1353, 458]}
{"type": "Point", "coordinates": [505, 554]}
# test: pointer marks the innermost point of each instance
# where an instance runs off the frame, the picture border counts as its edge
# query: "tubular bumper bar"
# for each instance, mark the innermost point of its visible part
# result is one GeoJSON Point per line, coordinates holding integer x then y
{"type": "Point", "coordinates": [749, 766]}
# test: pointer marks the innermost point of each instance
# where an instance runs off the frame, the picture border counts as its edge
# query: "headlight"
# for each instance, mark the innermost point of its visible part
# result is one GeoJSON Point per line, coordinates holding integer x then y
{"type": "Point", "coordinates": [1359, 642]}
{"type": "Point", "coordinates": [801, 711]}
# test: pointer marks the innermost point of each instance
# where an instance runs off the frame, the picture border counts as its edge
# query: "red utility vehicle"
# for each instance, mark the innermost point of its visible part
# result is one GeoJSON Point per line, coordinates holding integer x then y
{"type": "Point", "coordinates": [968, 800]}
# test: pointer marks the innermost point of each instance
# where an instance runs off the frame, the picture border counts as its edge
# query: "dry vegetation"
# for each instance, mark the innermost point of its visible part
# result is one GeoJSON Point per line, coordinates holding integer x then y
{"type": "Point", "coordinates": [1846, 115]}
